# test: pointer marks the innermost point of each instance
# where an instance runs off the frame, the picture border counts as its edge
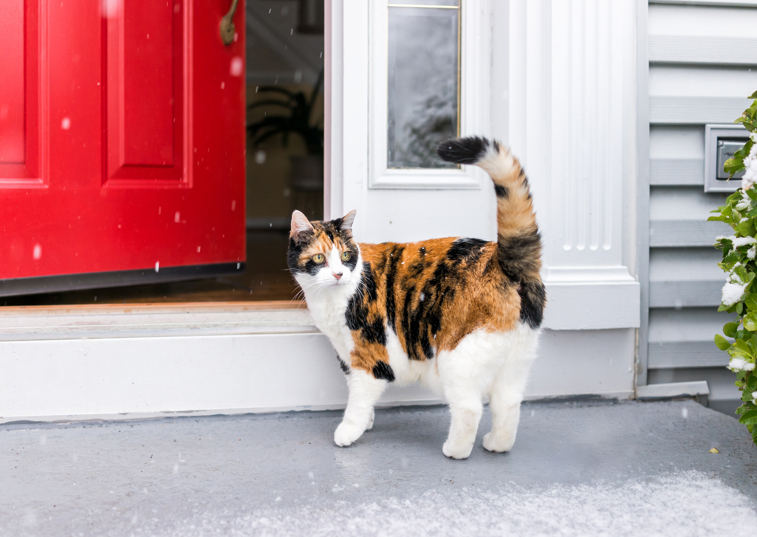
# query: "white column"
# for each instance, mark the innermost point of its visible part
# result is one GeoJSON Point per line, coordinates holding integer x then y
{"type": "Point", "coordinates": [571, 109]}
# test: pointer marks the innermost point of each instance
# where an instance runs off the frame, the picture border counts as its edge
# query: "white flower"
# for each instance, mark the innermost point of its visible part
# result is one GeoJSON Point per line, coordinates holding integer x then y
{"type": "Point", "coordinates": [753, 136]}
{"type": "Point", "coordinates": [754, 397]}
{"type": "Point", "coordinates": [739, 364]}
{"type": "Point", "coordinates": [751, 252]}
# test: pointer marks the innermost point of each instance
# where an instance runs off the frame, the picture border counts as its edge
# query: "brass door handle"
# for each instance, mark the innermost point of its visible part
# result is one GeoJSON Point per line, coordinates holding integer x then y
{"type": "Point", "coordinates": [227, 26]}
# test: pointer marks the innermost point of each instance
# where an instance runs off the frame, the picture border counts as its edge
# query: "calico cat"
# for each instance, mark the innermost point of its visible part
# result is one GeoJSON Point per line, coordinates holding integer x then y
{"type": "Point", "coordinates": [459, 315]}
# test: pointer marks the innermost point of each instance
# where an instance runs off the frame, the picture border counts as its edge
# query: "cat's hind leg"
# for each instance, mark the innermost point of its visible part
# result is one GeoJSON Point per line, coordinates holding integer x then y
{"type": "Point", "coordinates": [365, 391]}
{"type": "Point", "coordinates": [465, 408]}
{"type": "Point", "coordinates": [465, 374]}
{"type": "Point", "coordinates": [370, 421]}
{"type": "Point", "coordinates": [508, 388]}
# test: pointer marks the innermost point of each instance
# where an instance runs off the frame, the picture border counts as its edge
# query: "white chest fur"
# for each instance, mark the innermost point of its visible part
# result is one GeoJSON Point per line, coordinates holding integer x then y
{"type": "Point", "coordinates": [328, 307]}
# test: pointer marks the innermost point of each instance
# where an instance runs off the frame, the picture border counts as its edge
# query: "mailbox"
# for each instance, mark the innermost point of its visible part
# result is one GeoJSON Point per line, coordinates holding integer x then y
{"type": "Point", "coordinates": [720, 143]}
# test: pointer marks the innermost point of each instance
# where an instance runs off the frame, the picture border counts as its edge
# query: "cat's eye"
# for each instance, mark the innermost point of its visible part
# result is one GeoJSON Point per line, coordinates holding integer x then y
{"type": "Point", "coordinates": [346, 256]}
{"type": "Point", "coordinates": [319, 258]}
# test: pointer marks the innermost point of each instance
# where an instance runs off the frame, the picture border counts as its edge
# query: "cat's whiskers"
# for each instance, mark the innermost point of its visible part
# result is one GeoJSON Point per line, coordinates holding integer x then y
{"type": "Point", "coordinates": [313, 287]}
{"type": "Point", "coordinates": [299, 295]}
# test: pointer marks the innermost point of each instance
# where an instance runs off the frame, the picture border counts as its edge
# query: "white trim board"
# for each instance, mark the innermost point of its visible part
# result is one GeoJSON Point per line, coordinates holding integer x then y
{"type": "Point", "coordinates": [148, 376]}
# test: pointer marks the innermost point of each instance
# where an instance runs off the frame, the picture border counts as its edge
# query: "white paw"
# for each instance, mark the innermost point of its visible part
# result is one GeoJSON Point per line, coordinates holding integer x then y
{"type": "Point", "coordinates": [370, 422]}
{"type": "Point", "coordinates": [346, 434]}
{"type": "Point", "coordinates": [457, 451]}
{"type": "Point", "coordinates": [498, 444]}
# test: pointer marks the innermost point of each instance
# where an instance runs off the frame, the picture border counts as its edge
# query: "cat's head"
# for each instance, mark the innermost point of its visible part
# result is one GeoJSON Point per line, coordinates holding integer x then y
{"type": "Point", "coordinates": [323, 253]}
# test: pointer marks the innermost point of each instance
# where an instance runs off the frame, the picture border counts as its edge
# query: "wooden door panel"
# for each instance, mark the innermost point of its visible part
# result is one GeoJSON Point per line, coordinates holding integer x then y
{"type": "Point", "coordinates": [173, 121]}
{"type": "Point", "coordinates": [12, 90]}
{"type": "Point", "coordinates": [19, 93]}
{"type": "Point", "coordinates": [145, 80]}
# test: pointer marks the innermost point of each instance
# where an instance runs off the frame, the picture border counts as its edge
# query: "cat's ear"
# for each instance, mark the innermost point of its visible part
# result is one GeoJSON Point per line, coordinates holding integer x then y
{"type": "Point", "coordinates": [300, 226]}
{"type": "Point", "coordinates": [347, 220]}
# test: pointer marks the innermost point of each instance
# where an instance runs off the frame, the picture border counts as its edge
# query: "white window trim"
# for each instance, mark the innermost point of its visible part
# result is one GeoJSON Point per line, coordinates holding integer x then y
{"type": "Point", "coordinates": [474, 99]}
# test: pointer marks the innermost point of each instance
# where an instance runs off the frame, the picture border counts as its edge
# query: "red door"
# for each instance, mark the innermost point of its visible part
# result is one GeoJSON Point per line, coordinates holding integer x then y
{"type": "Point", "coordinates": [121, 141]}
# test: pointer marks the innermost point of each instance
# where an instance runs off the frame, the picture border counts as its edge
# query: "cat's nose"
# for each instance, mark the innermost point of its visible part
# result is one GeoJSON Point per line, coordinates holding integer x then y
{"type": "Point", "coordinates": [338, 275]}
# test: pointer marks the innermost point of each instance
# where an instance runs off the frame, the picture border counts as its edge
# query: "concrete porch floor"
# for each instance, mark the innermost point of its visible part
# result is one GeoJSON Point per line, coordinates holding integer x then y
{"type": "Point", "coordinates": [590, 468]}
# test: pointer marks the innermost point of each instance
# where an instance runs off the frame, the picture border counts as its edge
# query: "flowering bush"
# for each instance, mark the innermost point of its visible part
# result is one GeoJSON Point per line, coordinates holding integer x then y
{"type": "Point", "coordinates": [739, 295]}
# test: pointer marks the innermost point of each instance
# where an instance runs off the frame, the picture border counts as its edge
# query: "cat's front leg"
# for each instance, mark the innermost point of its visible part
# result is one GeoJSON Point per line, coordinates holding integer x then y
{"type": "Point", "coordinates": [365, 391]}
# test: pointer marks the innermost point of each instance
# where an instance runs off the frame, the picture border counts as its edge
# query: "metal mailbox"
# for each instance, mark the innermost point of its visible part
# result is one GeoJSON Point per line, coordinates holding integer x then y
{"type": "Point", "coordinates": [720, 143]}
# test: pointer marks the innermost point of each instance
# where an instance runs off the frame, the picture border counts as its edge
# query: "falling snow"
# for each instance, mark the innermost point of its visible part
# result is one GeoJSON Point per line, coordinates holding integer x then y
{"type": "Point", "coordinates": [237, 66]}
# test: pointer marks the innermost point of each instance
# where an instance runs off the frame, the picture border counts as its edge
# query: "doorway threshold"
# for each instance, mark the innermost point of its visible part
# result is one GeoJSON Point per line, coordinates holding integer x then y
{"type": "Point", "coordinates": [30, 323]}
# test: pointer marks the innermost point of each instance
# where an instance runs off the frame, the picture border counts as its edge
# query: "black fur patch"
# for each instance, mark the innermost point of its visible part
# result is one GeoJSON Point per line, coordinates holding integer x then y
{"type": "Point", "coordinates": [464, 150]}
{"type": "Point", "coordinates": [532, 299]}
{"type": "Point", "coordinates": [357, 312]}
{"type": "Point", "coordinates": [391, 274]}
{"type": "Point", "coordinates": [501, 191]}
{"type": "Point", "coordinates": [382, 370]}
{"type": "Point", "coordinates": [466, 250]}
{"type": "Point", "coordinates": [294, 252]}
{"type": "Point", "coordinates": [519, 255]}
{"type": "Point", "coordinates": [344, 367]}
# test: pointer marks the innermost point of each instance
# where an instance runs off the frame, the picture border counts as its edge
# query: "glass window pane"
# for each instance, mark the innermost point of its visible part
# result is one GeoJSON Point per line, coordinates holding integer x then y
{"type": "Point", "coordinates": [424, 70]}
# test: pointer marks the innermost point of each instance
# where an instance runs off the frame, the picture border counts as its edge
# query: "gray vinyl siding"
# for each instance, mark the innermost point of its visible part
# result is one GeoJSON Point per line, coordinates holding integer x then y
{"type": "Point", "coordinates": [702, 65]}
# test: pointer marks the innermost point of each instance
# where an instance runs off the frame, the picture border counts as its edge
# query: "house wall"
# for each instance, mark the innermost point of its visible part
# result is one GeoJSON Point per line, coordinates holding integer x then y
{"type": "Point", "coordinates": [702, 62]}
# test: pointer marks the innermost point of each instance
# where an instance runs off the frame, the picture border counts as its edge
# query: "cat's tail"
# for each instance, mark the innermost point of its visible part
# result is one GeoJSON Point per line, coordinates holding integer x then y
{"type": "Point", "coordinates": [518, 239]}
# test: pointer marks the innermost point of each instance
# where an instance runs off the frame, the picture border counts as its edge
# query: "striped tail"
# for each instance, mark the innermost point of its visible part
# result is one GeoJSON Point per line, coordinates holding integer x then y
{"type": "Point", "coordinates": [518, 239]}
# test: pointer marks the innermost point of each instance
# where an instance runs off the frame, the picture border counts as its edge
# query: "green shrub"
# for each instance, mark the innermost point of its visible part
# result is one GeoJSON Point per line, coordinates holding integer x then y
{"type": "Point", "coordinates": [739, 295]}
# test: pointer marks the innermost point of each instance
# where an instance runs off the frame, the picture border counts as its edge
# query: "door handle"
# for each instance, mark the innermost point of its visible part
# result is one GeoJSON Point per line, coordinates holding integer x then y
{"type": "Point", "coordinates": [227, 25]}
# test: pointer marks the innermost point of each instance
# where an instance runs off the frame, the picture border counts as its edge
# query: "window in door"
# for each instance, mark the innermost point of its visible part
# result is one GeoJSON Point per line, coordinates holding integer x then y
{"type": "Point", "coordinates": [425, 81]}
{"type": "Point", "coordinates": [423, 87]}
